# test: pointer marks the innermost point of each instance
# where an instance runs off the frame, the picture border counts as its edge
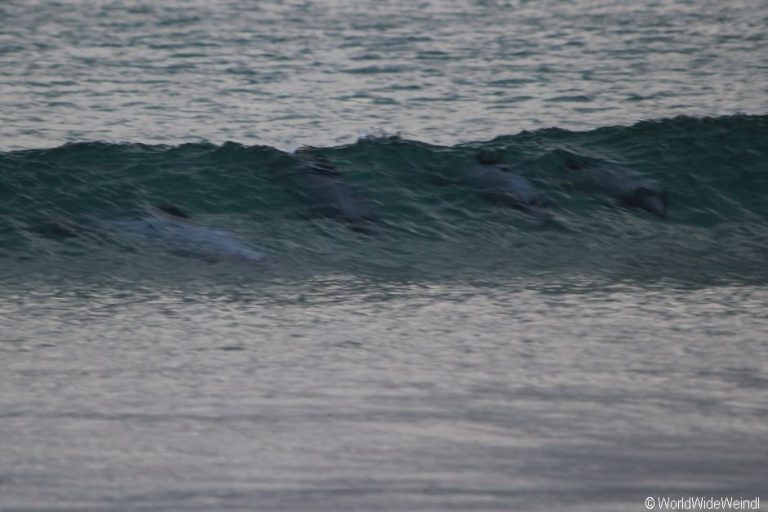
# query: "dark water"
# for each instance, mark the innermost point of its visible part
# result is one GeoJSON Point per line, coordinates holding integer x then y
{"type": "Point", "coordinates": [371, 324]}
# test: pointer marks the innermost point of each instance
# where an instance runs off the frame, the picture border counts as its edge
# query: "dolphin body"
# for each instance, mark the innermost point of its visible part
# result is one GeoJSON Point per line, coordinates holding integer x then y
{"type": "Point", "coordinates": [498, 183]}
{"type": "Point", "coordinates": [329, 195]}
{"type": "Point", "coordinates": [629, 189]}
{"type": "Point", "coordinates": [492, 179]}
{"type": "Point", "coordinates": [181, 236]}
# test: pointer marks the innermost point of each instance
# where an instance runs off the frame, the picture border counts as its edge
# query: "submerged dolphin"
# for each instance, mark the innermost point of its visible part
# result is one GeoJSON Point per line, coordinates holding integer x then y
{"type": "Point", "coordinates": [495, 181]}
{"type": "Point", "coordinates": [506, 187]}
{"type": "Point", "coordinates": [171, 227]}
{"type": "Point", "coordinates": [629, 189]}
{"type": "Point", "coordinates": [330, 196]}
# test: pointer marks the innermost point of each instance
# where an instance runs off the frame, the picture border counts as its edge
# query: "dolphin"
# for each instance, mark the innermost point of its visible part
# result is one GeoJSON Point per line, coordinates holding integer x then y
{"type": "Point", "coordinates": [629, 189]}
{"type": "Point", "coordinates": [173, 228]}
{"type": "Point", "coordinates": [497, 182]}
{"type": "Point", "coordinates": [504, 186]}
{"type": "Point", "coordinates": [323, 185]}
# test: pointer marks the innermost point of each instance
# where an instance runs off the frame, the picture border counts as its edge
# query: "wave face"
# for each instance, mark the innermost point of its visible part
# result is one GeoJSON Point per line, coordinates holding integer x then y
{"type": "Point", "coordinates": [421, 221]}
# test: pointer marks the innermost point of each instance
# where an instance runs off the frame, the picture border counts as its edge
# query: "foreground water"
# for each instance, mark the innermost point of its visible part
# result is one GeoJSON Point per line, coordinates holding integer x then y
{"type": "Point", "coordinates": [342, 394]}
{"type": "Point", "coordinates": [363, 327]}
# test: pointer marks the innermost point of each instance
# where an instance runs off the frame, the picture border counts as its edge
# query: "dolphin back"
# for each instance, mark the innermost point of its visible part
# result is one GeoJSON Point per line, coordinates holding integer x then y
{"type": "Point", "coordinates": [192, 239]}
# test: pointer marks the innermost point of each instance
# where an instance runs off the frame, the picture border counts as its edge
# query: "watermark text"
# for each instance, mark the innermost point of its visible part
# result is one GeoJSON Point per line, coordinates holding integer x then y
{"type": "Point", "coordinates": [701, 503]}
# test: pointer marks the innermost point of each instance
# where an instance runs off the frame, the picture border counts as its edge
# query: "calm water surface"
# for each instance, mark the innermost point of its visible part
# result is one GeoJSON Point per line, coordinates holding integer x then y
{"type": "Point", "coordinates": [297, 72]}
{"type": "Point", "coordinates": [442, 397]}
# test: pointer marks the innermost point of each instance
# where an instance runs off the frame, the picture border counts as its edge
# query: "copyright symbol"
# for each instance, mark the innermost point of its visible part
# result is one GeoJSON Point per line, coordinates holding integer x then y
{"type": "Point", "coordinates": [649, 503]}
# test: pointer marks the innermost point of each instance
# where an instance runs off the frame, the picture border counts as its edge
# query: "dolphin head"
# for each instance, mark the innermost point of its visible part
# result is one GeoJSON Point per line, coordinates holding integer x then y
{"type": "Point", "coordinates": [324, 166]}
{"type": "Point", "coordinates": [650, 200]}
{"type": "Point", "coordinates": [490, 157]}
{"type": "Point", "coordinates": [171, 210]}
{"type": "Point", "coordinates": [316, 162]}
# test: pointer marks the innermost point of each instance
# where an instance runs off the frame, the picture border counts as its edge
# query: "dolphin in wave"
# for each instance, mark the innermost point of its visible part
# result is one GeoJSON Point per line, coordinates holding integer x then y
{"type": "Point", "coordinates": [629, 189]}
{"type": "Point", "coordinates": [166, 225]}
{"type": "Point", "coordinates": [173, 228]}
{"type": "Point", "coordinates": [495, 181]}
{"type": "Point", "coordinates": [322, 184]}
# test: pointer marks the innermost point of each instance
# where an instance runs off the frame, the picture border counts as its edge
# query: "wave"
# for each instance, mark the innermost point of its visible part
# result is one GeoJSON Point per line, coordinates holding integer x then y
{"type": "Point", "coordinates": [390, 206]}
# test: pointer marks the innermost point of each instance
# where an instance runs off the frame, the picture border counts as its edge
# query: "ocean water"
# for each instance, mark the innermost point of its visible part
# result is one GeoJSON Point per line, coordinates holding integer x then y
{"type": "Point", "coordinates": [522, 266]}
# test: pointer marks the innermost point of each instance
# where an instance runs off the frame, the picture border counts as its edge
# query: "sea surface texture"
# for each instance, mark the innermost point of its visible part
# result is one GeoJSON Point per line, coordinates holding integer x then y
{"type": "Point", "coordinates": [382, 255]}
